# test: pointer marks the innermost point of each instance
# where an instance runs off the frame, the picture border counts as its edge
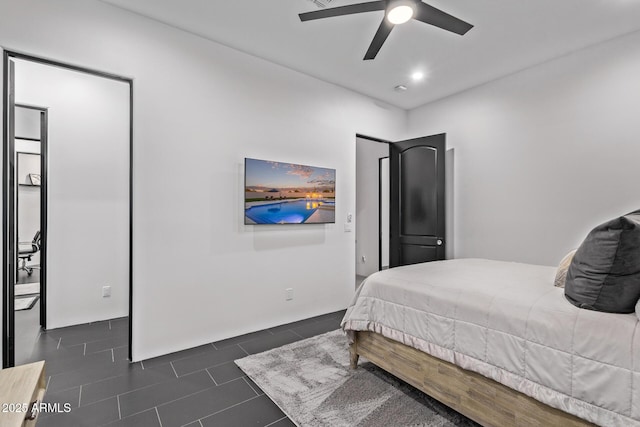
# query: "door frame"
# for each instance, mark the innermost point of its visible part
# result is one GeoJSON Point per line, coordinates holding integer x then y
{"type": "Point", "coordinates": [9, 191]}
{"type": "Point", "coordinates": [8, 217]}
{"type": "Point", "coordinates": [380, 211]}
{"type": "Point", "coordinates": [44, 129]}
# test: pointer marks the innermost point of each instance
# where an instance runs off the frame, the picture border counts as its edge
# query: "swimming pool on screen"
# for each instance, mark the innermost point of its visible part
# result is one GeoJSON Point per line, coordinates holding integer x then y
{"type": "Point", "coordinates": [287, 212]}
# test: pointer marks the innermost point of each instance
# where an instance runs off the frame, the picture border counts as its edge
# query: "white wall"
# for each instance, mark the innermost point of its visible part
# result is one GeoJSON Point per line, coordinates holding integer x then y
{"type": "Point", "coordinates": [88, 191]}
{"type": "Point", "coordinates": [368, 153]}
{"type": "Point", "coordinates": [27, 125]}
{"type": "Point", "coordinates": [544, 155]}
{"type": "Point", "coordinates": [199, 108]}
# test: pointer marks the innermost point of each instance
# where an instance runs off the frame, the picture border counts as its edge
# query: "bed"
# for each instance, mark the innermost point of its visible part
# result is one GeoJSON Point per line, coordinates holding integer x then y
{"type": "Point", "coordinates": [499, 343]}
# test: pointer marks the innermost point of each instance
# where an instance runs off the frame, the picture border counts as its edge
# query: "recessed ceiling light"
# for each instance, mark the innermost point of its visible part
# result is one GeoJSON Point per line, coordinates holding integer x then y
{"type": "Point", "coordinates": [416, 76]}
{"type": "Point", "coordinates": [400, 13]}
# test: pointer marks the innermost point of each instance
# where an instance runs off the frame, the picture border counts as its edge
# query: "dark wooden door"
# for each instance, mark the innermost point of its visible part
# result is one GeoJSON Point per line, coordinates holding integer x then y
{"type": "Point", "coordinates": [417, 217]}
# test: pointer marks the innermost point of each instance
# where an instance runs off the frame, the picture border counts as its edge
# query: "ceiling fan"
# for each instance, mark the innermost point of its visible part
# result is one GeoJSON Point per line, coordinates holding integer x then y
{"type": "Point", "coordinates": [396, 12]}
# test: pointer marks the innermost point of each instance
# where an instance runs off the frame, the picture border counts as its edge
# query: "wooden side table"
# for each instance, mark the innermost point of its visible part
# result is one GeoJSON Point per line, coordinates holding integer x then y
{"type": "Point", "coordinates": [20, 388]}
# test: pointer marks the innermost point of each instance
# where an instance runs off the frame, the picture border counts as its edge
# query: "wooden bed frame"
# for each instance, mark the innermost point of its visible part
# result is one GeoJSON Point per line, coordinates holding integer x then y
{"type": "Point", "coordinates": [483, 400]}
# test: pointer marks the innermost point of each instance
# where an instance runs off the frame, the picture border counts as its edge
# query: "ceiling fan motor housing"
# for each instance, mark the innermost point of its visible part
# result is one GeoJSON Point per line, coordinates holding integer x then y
{"type": "Point", "coordinates": [396, 3]}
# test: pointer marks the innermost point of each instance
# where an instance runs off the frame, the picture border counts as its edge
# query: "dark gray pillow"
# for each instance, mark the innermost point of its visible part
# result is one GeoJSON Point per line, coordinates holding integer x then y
{"type": "Point", "coordinates": [604, 274]}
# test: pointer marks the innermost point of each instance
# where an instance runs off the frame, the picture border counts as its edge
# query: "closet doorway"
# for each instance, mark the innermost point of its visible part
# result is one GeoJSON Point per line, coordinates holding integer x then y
{"type": "Point", "coordinates": [76, 172]}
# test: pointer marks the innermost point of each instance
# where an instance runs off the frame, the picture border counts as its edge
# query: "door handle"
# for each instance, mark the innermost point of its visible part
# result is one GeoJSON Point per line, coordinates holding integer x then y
{"type": "Point", "coordinates": [439, 242]}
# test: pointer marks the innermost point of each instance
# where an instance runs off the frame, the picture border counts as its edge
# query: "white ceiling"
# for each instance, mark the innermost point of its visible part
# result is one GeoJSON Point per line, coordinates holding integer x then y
{"type": "Point", "coordinates": [509, 35]}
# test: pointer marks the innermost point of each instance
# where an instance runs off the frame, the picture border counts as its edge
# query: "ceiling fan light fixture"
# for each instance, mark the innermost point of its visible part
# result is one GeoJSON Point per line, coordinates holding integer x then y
{"type": "Point", "coordinates": [417, 76]}
{"type": "Point", "coordinates": [400, 13]}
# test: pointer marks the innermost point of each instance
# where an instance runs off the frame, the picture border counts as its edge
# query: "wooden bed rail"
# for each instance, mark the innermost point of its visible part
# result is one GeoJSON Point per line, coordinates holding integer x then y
{"type": "Point", "coordinates": [484, 400]}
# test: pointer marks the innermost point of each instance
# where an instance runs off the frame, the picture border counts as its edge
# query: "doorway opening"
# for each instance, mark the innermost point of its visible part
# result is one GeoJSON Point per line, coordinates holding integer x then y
{"type": "Point", "coordinates": [400, 202]}
{"type": "Point", "coordinates": [30, 137]}
{"type": "Point", "coordinates": [372, 206]}
{"type": "Point", "coordinates": [67, 203]}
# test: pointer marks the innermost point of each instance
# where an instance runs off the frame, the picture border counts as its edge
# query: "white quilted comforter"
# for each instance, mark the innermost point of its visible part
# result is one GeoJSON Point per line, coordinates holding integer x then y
{"type": "Point", "coordinates": [508, 322]}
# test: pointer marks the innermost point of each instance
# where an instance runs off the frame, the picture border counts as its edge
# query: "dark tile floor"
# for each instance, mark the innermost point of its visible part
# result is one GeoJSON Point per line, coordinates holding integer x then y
{"type": "Point", "coordinates": [199, 387]}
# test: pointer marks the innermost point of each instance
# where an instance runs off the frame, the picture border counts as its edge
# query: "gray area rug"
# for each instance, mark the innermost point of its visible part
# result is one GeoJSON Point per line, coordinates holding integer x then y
{"type": "Point", "coordinates": [312, 383]}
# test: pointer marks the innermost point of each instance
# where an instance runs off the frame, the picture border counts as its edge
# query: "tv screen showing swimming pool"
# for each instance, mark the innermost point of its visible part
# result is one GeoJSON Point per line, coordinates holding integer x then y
{"type": "Point", "coordinates": [287, 193]}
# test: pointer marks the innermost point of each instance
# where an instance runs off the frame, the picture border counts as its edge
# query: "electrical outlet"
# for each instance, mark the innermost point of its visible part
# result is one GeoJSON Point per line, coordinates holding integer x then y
{"type": "Point", "coordinates": [288, 294]}
{"type": "Point", "coordinates": [106, 291]}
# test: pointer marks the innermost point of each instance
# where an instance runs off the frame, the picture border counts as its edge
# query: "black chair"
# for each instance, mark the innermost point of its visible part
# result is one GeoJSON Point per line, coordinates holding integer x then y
{"type": "Point", "coordinates": [28, 250]}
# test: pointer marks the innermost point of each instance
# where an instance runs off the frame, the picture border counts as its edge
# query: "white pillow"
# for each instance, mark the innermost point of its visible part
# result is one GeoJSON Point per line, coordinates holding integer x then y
{"type": "Point", "coordinates": [561, 274]}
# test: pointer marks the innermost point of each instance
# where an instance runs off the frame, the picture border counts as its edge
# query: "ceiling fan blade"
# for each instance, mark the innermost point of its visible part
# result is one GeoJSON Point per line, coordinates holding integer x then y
{"type": "Point", "coordinates": [378, 40]}
{"type": "Point", "coordinates": [430, 15]}
{"type": "Point", "coordinates": [344, 10]}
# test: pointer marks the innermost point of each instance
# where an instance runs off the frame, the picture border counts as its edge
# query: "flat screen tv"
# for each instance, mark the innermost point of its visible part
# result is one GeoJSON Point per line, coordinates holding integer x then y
{"type": "Point", "coordinates": [287, 193]}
